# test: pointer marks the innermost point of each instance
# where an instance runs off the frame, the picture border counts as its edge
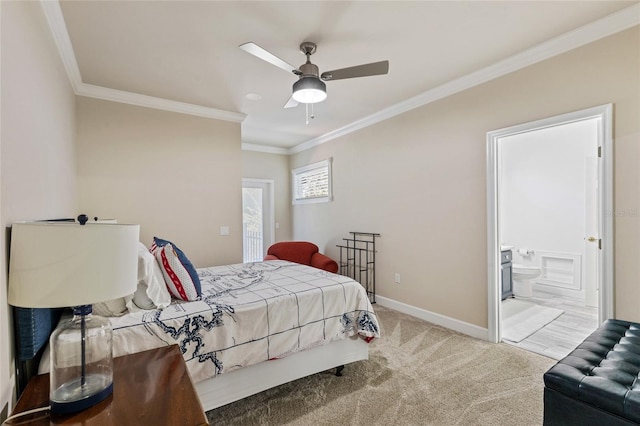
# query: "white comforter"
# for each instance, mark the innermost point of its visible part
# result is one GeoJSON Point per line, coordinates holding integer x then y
{"type": "Point", "coordinates": [250, 313]}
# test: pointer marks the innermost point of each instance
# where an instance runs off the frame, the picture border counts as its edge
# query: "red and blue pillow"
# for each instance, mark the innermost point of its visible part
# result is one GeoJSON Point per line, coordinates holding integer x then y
{"type": "Point", "coordinates": [179, 274]}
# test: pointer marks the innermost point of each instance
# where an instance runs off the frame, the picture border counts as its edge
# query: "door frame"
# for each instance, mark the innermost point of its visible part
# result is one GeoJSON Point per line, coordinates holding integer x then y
{"type": "Point", "coordinates": [604, 115]}
{"type": "Point", "coordinates": [268, 218]}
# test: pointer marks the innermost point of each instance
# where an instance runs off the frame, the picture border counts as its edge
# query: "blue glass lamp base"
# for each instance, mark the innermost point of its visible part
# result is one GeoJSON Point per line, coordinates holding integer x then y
{"type": "Point", "coordinates": [73, 397]}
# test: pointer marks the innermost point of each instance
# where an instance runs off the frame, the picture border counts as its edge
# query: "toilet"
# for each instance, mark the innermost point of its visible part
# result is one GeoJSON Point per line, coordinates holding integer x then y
{"type": "Point", "coordinates": [523, 277]}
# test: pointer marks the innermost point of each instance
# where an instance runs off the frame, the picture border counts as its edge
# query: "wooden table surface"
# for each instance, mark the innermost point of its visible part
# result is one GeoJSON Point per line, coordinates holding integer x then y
{"type": "Point", "coordinates": [149, 388]}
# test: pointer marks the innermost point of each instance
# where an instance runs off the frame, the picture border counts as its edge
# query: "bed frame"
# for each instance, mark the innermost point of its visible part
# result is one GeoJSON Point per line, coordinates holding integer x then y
{"type": "Point", "coordinates": [238, 384]}
{"type": "Point", "coordinates": [34, 326]}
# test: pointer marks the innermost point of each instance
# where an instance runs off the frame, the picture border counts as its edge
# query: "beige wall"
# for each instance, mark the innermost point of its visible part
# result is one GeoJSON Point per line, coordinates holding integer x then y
{"type": "Point", "coordinates": [419, 178]}
{"type": "Point", "coordinates": [259, 165]}
{"type": "Point", "coordinates": [178, 176]}
{"type": "Point", "coordinates": [36, 142]}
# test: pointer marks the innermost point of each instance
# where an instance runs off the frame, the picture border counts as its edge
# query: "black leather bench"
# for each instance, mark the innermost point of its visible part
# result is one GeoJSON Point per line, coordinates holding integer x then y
{"type": "Point", "coordinates": [599, 382]}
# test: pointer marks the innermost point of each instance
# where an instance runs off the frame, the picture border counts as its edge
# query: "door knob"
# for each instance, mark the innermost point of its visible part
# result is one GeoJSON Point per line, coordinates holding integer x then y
{"type": "Point", "coordinates": [592, 239]}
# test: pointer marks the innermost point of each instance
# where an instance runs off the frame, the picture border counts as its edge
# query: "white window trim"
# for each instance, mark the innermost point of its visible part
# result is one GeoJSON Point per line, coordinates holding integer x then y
{"type": "Point", "coordinates": [304, 169]}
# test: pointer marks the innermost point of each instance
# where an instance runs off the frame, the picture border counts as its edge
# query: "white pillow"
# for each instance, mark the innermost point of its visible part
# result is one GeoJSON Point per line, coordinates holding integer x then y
{"type": "Point", "coordinates": [110, 308]}
{"type": "Point", "coordinates": [152, 291]}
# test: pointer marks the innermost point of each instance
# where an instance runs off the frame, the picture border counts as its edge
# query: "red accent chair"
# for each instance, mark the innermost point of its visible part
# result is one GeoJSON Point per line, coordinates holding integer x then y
{"type": "Point", "coordinates": [301, 252]}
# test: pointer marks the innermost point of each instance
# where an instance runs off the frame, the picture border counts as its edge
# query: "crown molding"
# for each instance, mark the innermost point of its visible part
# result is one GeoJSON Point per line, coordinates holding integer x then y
{"type": "Point", "coordinates": [98, 92]}
{"type": "Point", "coordinates": [58, 27]}
{"type": "Point", "coordinates": [609, 25]}
{"type": "Point", "coordinates": [265, 148]}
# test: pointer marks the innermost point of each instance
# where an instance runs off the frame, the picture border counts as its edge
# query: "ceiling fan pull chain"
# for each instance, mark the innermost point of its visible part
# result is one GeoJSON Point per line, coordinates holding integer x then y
{"type": "Point", "coordinates": [309, 116]}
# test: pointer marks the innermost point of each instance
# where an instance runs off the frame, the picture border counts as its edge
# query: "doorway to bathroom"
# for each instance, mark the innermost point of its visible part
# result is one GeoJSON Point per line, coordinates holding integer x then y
{"type": "Point", "coordinates": [549, 186]}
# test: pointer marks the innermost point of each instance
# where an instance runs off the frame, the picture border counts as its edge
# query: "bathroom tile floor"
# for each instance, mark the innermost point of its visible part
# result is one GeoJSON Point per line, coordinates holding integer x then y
{"type": "Point", "coordinates": [562, 335]}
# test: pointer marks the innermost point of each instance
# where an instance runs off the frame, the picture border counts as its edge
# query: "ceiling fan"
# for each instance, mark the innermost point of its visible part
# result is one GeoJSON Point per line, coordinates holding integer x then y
{"type": "Point", "coordinates": [310, 87]}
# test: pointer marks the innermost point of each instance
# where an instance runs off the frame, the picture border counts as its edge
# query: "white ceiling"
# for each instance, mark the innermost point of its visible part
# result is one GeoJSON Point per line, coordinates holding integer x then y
{"type": "Point", "coordinates": [187, 51]}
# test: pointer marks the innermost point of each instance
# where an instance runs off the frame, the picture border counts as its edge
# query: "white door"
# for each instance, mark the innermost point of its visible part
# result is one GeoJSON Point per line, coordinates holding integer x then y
{"type": "Point", "coordinates": [592, 234]}
{"type": "Point", "coordinates": [257, 218]}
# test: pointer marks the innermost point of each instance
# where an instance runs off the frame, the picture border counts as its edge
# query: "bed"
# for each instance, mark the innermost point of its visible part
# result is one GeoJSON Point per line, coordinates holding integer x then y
{"type": "Point", "coordinates": [255, 326]}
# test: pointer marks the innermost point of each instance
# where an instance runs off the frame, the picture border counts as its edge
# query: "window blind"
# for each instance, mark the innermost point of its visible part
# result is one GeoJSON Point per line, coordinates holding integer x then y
{"type": "Point", "coordinates": [312, 183]}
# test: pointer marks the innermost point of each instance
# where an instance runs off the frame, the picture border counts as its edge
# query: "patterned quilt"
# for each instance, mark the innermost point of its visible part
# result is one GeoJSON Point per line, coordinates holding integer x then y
{"type": "Point", "coordinates": [249, 313]}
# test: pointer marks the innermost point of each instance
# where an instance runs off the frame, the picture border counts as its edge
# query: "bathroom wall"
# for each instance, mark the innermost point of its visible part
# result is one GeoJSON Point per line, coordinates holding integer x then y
{"type": "Point", "coordinates": [545, 178]}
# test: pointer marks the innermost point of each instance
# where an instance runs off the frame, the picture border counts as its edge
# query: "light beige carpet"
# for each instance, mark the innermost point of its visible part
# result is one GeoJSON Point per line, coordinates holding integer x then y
{"type": "Point", "coordinates": [417, 374]}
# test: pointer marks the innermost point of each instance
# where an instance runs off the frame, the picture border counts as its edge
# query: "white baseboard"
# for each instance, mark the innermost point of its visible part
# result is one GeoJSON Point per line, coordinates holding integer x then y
{"type": "Point", "coordinates": [441, 320]}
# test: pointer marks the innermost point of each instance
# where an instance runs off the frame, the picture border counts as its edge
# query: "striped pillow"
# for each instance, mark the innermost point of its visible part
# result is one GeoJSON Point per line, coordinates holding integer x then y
{"type": "Point", "coordinates": [179, 274]}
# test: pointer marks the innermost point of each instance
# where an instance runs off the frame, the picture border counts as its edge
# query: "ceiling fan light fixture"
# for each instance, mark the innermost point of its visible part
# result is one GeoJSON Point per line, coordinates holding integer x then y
{"type": "Point", "coordinates": [309, 90]}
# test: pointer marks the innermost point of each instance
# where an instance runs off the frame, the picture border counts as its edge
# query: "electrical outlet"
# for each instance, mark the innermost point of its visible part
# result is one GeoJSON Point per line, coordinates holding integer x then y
{"type": "Point", "coordinates": [224, 230]}
{"type": "Point", "coordinates": [396, 278]}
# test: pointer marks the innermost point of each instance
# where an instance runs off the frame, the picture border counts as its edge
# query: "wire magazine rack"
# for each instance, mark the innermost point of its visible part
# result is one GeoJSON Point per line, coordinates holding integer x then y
{"type": "Point", "coordinates": [358, 260]}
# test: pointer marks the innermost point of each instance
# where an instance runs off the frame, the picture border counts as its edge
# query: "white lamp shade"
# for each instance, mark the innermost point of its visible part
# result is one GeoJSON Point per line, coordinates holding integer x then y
{"type": "Point", "coordinates": [67, 264]}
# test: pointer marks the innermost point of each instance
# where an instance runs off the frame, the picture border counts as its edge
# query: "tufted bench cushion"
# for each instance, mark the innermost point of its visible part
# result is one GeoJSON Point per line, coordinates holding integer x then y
{"type": "Point", "coordinates": [599, 380]}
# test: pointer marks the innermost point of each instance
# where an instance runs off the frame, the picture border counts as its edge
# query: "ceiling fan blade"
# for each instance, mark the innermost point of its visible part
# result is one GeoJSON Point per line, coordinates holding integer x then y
{"type": "Point", "coordinates": [365, 70]}
{"type": "Point", "coordinates": [258, 51]}
{"type": "Point", "coordinates": [291, 103]}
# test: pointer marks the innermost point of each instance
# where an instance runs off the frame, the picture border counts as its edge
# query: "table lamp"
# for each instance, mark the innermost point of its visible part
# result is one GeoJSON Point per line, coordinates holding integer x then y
{"type": "Point", "coordinates": [56, 264]}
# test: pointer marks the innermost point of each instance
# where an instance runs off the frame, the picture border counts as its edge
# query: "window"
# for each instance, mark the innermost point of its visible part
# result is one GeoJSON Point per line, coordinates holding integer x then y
{"type": "Point", "coordinates": [312, 183]}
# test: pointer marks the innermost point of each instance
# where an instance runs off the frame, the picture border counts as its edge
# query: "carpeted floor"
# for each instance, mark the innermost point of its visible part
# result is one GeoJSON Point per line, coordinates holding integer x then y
{"type": "Point", "coordinates": [417, 374]}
